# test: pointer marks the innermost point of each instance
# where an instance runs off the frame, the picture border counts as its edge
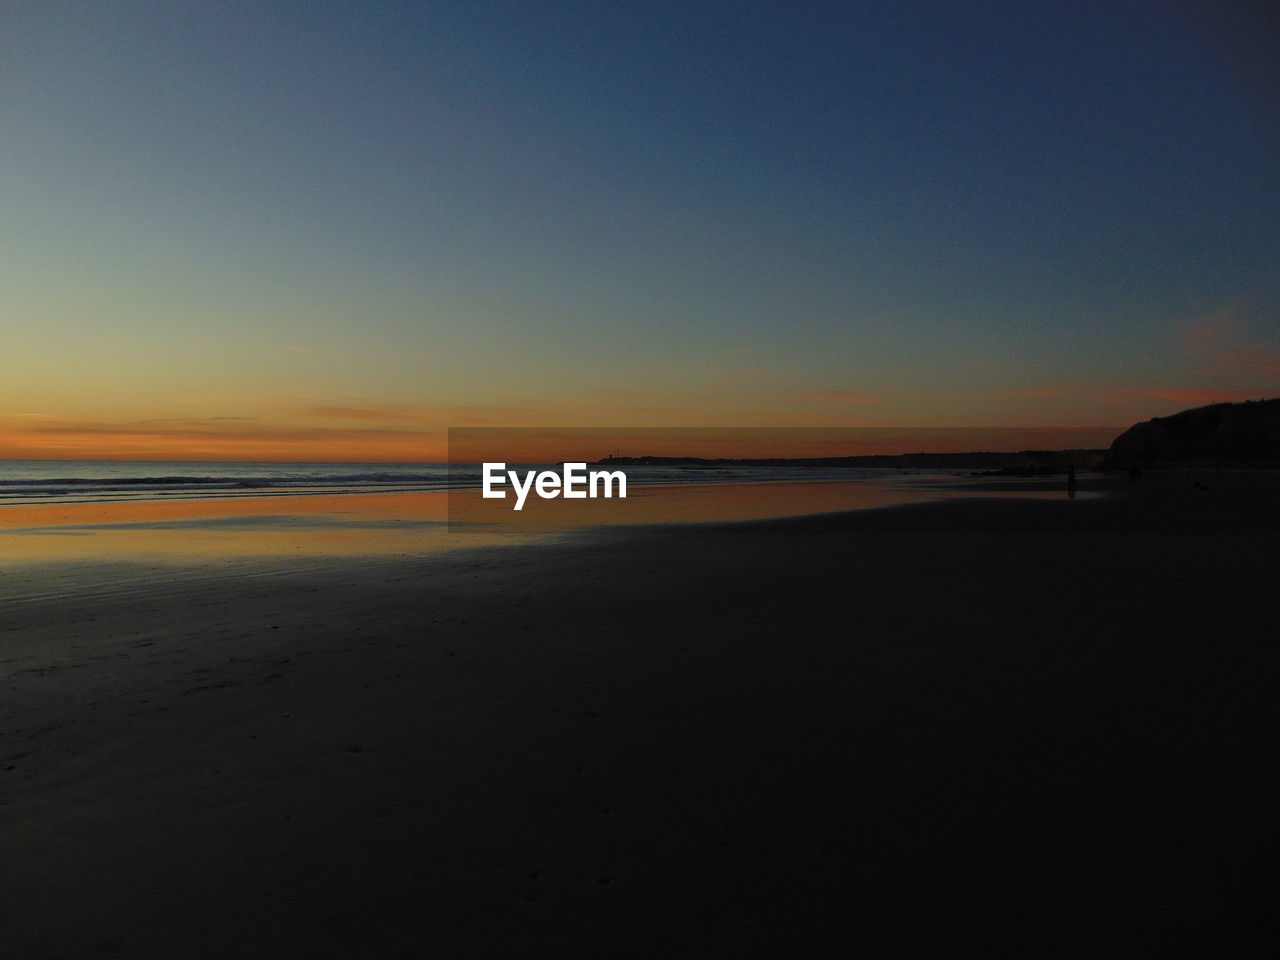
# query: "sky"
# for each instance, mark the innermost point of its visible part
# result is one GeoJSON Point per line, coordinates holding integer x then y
{"type": "Point", "coordinates": [332, 230]}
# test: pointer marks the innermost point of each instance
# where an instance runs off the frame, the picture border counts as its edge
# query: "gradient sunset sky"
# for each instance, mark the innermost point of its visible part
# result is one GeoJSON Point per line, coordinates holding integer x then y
{"type": "Point", "coordinates": [331, 230]}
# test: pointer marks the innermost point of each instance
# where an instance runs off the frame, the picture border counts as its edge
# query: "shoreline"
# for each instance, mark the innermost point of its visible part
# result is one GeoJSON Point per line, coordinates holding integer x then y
{"type": "Point", "coordinates": [167, 545]}
{"type": "Point", "coordinates": [276, 526]}
{"type": "Point", "coordinates": [860, 731]}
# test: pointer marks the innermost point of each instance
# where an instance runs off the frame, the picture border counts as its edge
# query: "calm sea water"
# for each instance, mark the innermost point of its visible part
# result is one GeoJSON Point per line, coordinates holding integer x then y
{"type": "Point", "coordinates": [78, 481]}
{"type": "Point", "coordinates": [42, 481]}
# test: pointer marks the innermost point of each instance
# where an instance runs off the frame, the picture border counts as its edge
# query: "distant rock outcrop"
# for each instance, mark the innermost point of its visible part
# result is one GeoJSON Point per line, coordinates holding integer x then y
{"type": "Point", "coordinates": [1225, 434]}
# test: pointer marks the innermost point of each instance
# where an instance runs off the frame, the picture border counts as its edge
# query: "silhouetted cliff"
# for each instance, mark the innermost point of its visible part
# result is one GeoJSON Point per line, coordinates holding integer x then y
{"type": "Point", "coordinates": [1226, 434]}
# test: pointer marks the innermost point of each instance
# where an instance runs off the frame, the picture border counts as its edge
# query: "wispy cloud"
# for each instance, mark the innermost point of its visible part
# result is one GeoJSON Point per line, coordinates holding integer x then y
{"type": "Point", "coordinates": [1221, 347]}
{"type": "Point", "coordinates": [838, 396]}
{"type": "Point", "coordinates": [194, 421]}
{"type": "Point", "coordinates": [365, 413]}
{"type": "Point", "coordinates": [216, 439]}
{"type": "Point", "coordinates": [175, 431]}
{"type": "Point", "coordinates": [444, 415]}
{"type": "Point", "coordinates": [1205, 335]}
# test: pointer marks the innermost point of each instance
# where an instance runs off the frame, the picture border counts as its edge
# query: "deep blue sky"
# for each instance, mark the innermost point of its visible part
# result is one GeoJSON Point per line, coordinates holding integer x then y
{"type": "Point", "coordinates": [873, 213]}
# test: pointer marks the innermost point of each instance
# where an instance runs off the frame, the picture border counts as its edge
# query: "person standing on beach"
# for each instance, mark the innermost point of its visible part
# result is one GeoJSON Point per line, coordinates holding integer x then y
{"type": "Point", "coordinates": [1071, 482]}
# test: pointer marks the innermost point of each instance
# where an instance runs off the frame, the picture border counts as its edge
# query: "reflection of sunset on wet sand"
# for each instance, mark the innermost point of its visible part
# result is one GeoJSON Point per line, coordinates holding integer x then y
{"type": "Point", "coordinates": [369, 524]}
{"type": "Point", "coordinates": [386, 523]}
{"type": "Point", "coordinates": [358, 524]}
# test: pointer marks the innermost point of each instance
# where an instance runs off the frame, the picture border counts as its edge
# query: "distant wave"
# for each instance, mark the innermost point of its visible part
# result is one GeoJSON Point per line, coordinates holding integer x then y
{"type": "Point", "coordinates": [355, 478]}
{"type": "Point", "coordinates": [33, 481]}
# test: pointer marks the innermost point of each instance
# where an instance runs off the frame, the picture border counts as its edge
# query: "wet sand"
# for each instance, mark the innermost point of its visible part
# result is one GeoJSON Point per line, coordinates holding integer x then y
{"type": "Point", "coordinates": [1009, 727]}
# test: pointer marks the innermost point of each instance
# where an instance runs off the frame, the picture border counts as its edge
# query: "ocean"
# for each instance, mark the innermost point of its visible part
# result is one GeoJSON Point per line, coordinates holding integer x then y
{"type": "Point", "coordinates": [89, 481]}
{"type": "Point", "coordinates": [81, 481]}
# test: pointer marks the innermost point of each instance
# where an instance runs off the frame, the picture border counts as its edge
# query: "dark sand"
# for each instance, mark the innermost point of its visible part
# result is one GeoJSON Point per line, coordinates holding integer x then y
{"type": "Point", "coordinates": [997, 728]}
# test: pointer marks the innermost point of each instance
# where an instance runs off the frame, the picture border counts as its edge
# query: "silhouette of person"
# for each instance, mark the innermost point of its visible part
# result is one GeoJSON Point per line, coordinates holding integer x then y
{"type": "Point", "coordinates": [1071, 482]}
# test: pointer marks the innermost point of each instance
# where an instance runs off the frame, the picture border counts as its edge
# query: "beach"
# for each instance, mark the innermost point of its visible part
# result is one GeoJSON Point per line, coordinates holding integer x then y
{"type": "Point", "coordinates": [1012, 727]}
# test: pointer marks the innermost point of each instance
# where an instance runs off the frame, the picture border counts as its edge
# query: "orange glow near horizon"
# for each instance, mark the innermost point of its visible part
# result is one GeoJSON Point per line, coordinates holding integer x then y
{"type": "Point", "coordinates": [588, 443]}
{"type": "Point", "coordinates": [530, 445]}
{"type": "Point", "coordinates": [315, 446]}
{"type": "Point", "coordinates": [282, 429]}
